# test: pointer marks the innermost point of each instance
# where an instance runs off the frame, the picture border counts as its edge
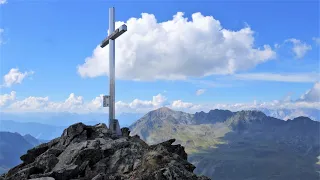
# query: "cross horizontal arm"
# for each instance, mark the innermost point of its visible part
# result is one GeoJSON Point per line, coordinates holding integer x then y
{"type": "Point", "coordinates": [114, 35]}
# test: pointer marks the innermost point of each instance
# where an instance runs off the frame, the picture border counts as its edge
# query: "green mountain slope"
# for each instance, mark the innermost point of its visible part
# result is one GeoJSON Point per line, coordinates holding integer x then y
{"type": "Point", "coordinates": [242, 145]}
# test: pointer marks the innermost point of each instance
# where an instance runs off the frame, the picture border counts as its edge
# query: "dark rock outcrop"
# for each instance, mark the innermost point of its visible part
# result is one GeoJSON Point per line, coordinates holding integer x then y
{"type": "Point", "coordinates": [89, 152]}
{"type": "Point", "coordinates": [125, 132]}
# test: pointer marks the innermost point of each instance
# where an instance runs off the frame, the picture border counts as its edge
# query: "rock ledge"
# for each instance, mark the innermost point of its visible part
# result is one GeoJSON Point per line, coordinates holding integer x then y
{"type": "Point", "coordinates": [90, 152]}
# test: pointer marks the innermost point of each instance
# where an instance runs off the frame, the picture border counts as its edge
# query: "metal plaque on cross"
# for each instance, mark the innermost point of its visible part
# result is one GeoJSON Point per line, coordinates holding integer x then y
{"type": "Point", "coordinates": [106, 101]}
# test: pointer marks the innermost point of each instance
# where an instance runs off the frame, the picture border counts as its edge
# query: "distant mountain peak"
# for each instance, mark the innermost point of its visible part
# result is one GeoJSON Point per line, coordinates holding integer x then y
{"type": "Point", "coordinates": [27, 135]}
{"type": "Point", "coordinates": [213, 116]}
{"type": "Point", "coordinates": [218, 110]}
{"type": "Point", "coordinates": [164, 109]}
{"type": "Point", "coordinates": [302, 121]}
{"type": "Point", "coordinates": [162, 112]}
{"type": "Point", "coordinates": [300, 118]}
{"type": "Point", "coordinates": [32, 140]}
{"type": "Point", "coordinates": [254, 113]}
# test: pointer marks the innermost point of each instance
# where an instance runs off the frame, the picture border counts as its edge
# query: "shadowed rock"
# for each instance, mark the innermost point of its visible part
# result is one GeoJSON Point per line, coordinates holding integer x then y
{"type": "Point", "coordinates": [90, 152]}
{"type": "Point", "coordinates": [125, 132]}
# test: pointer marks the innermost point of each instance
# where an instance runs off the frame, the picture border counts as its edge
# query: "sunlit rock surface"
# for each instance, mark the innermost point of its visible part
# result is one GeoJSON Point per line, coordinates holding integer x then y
{"type": "Point", "coordinates": [89, 152]}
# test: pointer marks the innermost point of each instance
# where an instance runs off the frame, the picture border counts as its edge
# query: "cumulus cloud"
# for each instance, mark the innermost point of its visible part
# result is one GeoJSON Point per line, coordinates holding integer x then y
{"type": "Point", "coordinates": [177, 49]}
{"type": "Point", "coordinates": [309, 100]}
{"type": "Point", "coordinates": [178, 104]}
{"type": "Point", "coordinates": [200, 91]}
{"type": "Point", "coordinates": [74, 103]}
{"type": "Point", "coordinates": [299, 48]}
{"type": "Point", "coordinates": [30, 104]}
{"type": "Point", "coordinates": [14, 76]}
{"type": "Point", "coordinates": [96, 103]}
{"type": "Point", "coordinates": [5, 98]}
{"type": "Point", "coordinates": [38, 104]}
{"type": "Point", "coordinates": [312, 95]}
{"type": "Point", "coordinates": [138, 105]}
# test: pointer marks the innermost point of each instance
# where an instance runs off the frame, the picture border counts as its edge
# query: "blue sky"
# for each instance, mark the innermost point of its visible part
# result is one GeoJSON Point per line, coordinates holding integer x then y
{"type": "Point", "coordinates": [50, 40]}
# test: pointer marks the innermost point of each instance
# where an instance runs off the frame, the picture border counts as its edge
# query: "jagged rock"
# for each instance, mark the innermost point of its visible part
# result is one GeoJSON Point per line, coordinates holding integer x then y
{"type": "Point", "coordinates": [137, 136]}
{"type": "Point", "coordinates": [125, 132]}
{"type": "Point", "coordinates": [90, 152]}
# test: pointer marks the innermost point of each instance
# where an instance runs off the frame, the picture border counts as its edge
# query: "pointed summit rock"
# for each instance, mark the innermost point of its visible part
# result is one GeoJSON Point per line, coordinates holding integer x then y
{"type": "Point", "coordinates": [89, 152]}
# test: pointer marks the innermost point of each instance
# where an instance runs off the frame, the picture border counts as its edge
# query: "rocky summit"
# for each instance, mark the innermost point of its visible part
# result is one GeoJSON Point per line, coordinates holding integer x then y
{"type": "Point", "coordinates": [91, 152]}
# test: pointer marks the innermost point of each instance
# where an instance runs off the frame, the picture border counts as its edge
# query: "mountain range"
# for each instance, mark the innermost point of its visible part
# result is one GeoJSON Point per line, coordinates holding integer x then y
{"type": "Point", "coordinates": [220, 143]}
{"type": "Point", "coordinates": [48, 126]}
{"type": "Point", "coordinates": [12, 146]}
{"type": "Point", "coordinates": [66, 119]}
{"type": "Point", "coordinates": [238, 145]}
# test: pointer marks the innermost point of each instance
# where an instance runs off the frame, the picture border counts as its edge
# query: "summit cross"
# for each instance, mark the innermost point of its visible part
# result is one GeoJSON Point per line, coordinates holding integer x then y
{"type": "Point", "coordinates": [109, 101]}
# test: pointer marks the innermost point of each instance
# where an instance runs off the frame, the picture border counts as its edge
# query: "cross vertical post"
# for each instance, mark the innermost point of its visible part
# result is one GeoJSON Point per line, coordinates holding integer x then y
{"type": "Point", "coordinates": [109, 101]}
{"type": "Point", "coordinates": [112, 69]}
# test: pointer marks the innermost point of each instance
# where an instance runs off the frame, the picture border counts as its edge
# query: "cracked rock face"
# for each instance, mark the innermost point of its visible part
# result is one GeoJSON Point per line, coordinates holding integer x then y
{"type": "Point", "coordinates": [90, 152]}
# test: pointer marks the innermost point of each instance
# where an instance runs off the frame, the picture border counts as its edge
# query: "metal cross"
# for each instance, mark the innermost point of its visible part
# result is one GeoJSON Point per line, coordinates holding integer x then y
{"type": "Point", "coordinates": [109, 101]}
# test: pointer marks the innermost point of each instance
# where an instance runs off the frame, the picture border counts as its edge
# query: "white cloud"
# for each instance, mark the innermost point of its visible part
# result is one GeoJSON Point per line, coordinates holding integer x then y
{"type": "Point", "coordinates": [200, 91]}
{"type": "Point", "coordinates": [312, 95]}
{"type": "Point", "coordinates": [14, 76]}
{"type": "Point", "coordinates": [299, 48]}
{"type": "Point", "coordinates": [96, 103]}
{"type": "Point", "coordinates": [9, 103]}
{"type": "Point", "coordinates": [178, 104]}
{"type": "Point", "coordinates": [274, 105]}
{"type": "Point", "coordinates": [3, 2]}
{"type": "Point", "coordinates": [30, 104]}
{"type": "Point", "coordinates": [5, 98]}
{"type": "Point", "coordinates": [74, 100]}
{"type": "Point", "coordinates": [317, 40]}
{"type": "Point", "coordinates": [76, 104]}
{"type": "Point", "coordinates": [301, 78]}
{"type": "Point", "coordinates": [138, 105]}
{"type": "Point", "coordinates": [35, 104]}
{"type": "Point", "coordinates": [177, 49]}
{"type": "Point", "coordinates": [309, 100]}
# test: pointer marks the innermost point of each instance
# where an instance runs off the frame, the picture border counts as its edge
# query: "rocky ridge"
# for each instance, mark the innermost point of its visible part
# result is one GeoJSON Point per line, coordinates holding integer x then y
{"type": "Point", "coordinates": [239, 145]}
{"type": "Point", "coordinates": [90, 152]}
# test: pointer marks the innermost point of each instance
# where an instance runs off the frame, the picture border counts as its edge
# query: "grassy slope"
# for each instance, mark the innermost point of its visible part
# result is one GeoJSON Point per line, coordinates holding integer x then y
{"type": "Point", "coordinates": [221, 154]}
{"type": "Point", "coordinates": [192, 137]}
